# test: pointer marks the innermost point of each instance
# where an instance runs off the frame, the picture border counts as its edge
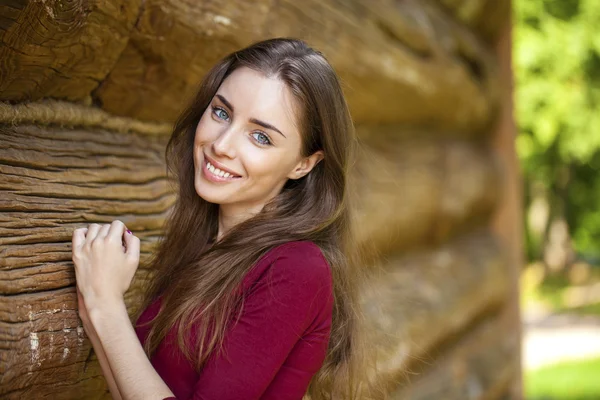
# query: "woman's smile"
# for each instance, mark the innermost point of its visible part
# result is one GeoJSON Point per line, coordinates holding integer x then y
{"type": "Point", "coordinates": [214, 174]}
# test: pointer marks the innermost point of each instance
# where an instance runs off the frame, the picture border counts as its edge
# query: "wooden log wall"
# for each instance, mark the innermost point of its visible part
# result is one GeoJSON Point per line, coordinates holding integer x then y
{"type": "Point", "coordinates": [89, 90]}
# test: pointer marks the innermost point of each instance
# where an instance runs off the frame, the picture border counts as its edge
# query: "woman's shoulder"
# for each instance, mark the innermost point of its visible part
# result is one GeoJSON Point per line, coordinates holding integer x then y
{"type": "Point", "coordinates": [295, 274]}
{"type": "Point", "coordinates": [299, 254]}
{"type": "Point", "coordinates": [301, 261]}
{"type": "Point", "coordinates": [299, 248]}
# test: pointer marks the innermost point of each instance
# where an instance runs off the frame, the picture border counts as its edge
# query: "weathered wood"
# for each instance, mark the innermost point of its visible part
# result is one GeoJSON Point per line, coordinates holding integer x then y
{"type": "Point", "coordinates": [61, 49]}
{"type": "Point", "coordinates": [400, 62]}
{"type": "Point", "coordinates": [480, 366]}
{"type": "Point", "coordinates": [486, 17]}
{"type": "Point", "coordinates": [422, 83]}
{"type": "Point", "coordinates": [409, 192]}
{"type": "Point", "coordinates": [49, 112]}
{"type": "Point", "coordinates": [507, 222]}
{"type": "Point", "coordinates": [415, 189]}
{"type": "Point", "coordinates": [385, 79]}
{"type": "Point", "coordinates": [418, 301]}
{"type": "Point", "coordinates": [43, 343]}
{"type": "Point", "coordinates": [447, 287]}
{"type": "Point", "coordinates": [53, 181]}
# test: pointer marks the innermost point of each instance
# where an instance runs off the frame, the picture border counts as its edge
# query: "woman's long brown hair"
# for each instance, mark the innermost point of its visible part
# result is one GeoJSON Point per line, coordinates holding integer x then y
{"type": "Point", "coordinates": [198, 281]}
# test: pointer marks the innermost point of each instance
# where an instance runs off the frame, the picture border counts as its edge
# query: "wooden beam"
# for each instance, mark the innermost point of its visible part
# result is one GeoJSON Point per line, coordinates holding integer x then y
{"type": "Point", "coordinates": [399, 62]}
{"type": "Point", "coordinates": [413, 189]}
{"type": "Point", "coordinates": [419, 300]}
{"type": "Point", "coordinates": [479, 366]}
{"type": "Point", "coordinates": [61, 49]}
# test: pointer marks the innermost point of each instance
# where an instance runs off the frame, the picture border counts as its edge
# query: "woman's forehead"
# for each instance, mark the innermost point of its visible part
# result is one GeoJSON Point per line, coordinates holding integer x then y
{"type": "Point", "coordinates": [254, 95]}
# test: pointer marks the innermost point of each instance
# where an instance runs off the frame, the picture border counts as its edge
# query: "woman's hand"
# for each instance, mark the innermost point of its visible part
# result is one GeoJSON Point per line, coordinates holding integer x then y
{"type": "Point", "coordinates": [106, 258]}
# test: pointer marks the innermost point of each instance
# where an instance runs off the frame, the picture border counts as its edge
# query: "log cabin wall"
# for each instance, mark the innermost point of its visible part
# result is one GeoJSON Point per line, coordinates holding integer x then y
{"type": "Point", "coordinates": [90, 89]}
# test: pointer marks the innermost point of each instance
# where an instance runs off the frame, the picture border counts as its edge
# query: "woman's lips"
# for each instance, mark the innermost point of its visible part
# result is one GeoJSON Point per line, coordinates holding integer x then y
{"type": "Point", "coordinates": [215, 178]}
{"type": "Point", "coordinates": [220, 166]}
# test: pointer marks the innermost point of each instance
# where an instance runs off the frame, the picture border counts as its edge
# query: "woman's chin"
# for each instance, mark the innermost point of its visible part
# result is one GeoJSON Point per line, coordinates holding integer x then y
{"type": "Point", "coordinates": [203, 192]}
{"type": "Point", "coordinates": [207, 193]}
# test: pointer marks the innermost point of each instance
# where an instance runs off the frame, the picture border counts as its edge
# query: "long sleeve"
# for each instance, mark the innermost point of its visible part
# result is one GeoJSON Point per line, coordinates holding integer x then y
{"type": "Point", "coordinates": [289, 307]}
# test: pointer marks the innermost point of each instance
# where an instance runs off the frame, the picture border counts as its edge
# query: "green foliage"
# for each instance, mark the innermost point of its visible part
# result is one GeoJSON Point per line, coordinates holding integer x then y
{"type": "Point", "coordinates": [557, 70]}
{"type": "Point", "coordinates": [554, 292]}
{"type": "Point", "coordinates": [572, 380]}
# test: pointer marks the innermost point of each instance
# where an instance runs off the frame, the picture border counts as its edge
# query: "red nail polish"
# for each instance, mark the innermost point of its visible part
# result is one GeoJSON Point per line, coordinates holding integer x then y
{"type": "Point", "coordinates": [128, 231]}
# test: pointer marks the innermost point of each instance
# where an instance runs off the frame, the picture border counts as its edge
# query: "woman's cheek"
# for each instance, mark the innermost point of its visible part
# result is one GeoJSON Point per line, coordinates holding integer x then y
{"type": "Point", "coordinates": [261, 163]}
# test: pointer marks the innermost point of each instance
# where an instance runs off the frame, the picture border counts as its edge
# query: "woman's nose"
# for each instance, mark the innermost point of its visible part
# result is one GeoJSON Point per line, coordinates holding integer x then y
{"type": "Point", "coordinates": [224, 144]}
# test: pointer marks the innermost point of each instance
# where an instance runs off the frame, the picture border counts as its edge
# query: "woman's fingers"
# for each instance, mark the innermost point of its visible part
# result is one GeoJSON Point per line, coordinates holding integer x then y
{"type": "Point", "coordinates": [106, 258]}
{"type": "Point", "coordinates": [116, 231]}
{"type": "Point", "coordinates": [132, 243]}
{"type": "Point", "coordinates": [103, 232]}
{"type": "Point", "coordinates": [77, 243]}
{"type": "Point", "coordinates": [78, 238]}
{"type": "Point", "coordinates": [117, 228]}
{"type": "Point", "coordinates": [92, 233]}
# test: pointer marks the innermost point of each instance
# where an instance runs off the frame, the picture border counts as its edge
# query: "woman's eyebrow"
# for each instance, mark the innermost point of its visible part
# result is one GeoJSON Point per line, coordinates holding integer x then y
{"type": "Point", "coordinates": [265, 125]}
{"type": "Point", "coordinates": [253, 120]}
{"type": "Point", "coordinates": [224, 100]}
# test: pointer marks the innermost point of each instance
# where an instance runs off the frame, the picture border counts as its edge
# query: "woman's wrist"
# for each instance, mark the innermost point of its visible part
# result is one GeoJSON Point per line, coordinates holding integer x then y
{"type": "Point", "coordinates": [106, 311]}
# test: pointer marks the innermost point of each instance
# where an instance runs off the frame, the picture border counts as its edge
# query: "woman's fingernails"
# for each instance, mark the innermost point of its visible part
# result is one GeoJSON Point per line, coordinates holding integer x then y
{"type": "Point", "coordinates": [128, 231]}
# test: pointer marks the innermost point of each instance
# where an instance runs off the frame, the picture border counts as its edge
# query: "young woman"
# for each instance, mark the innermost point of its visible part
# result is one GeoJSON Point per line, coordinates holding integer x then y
{"type": "Point", "coordinates": [254, 294]}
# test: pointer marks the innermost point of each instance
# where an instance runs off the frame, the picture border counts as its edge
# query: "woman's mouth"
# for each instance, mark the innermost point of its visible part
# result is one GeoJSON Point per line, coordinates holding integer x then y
{"type": "Point", "coordinates": [216, 175]}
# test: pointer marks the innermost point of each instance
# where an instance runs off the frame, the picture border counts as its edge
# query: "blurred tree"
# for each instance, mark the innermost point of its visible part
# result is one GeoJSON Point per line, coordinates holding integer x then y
{"type": "Point", "coordinates": [557, 70]}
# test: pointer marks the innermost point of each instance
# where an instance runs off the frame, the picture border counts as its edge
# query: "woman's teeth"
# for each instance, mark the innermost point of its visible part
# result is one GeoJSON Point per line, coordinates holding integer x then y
{"type": "Point", "coordinates": [217, 171]}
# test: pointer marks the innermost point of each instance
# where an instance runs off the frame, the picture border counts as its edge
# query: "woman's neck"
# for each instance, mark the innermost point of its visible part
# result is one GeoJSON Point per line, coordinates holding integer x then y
{"type": "Point", "coordinates": [231, 215]}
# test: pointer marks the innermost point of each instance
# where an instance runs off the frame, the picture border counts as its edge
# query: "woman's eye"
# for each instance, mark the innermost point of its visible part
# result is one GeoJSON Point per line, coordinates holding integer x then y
{"type": "Point", "coordinates": [262, 138]}
{"type": "Point", "coordinates": [220, 113]}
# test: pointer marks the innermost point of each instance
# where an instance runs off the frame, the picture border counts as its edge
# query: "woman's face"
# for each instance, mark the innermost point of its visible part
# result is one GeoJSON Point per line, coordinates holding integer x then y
{"type": "Point", "coordinates": [247, 143]}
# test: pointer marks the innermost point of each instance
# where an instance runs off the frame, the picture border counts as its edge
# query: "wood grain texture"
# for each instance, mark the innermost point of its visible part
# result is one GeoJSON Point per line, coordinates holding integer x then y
{"type": "Point", "coordinates": [400, 62]}
{"type": "Point", "coordinates": [445, 287]}
{"type": "Point", "coordinates": [448, 80]}
{"type": "Point", "coordinates": [44, 349]}
{"type": "Point", "coordinates": [481, 365]}
{"type": "Point", "coordinates": [419, 300]}
{"type": "Point", "coordinates": [421, 79]}
{"type": "Point", "coordinates": [53, 180]}
{"type": "Point", "coordinates": [61, 49]}
{"type": "Point", "coordinates": [486, 17]}
{"type": "Point", "coordinates": [415, 189]}
{"type": "Point", "coordinates": [409, 192]}
{"type": "Point", "coordinates": [51, 112]}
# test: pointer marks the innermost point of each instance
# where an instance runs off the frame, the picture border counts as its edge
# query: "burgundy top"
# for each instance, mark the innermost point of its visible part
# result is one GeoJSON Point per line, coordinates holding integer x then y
{"type": "Point", "coordinates": [279, 342]}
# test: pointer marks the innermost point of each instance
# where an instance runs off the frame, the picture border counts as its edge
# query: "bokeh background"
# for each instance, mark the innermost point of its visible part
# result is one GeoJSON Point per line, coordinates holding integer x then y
{"type": "Point", "coordinates": [557, 96]}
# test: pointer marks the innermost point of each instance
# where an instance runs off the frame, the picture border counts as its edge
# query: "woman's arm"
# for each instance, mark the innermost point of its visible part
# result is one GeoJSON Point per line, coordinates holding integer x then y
{"type": "Point", "coordinates": [134, 375]}
{"type": "Point", "coordinates": [106, 258]}
{"type": "Point", "coordinates": [92, 335]}
{"type": "Point", "coordinates": [108, 375]}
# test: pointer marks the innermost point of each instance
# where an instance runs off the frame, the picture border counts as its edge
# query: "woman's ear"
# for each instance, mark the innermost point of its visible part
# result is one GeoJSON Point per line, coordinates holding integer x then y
{"type": "Point", "coordinates": [306, 165]}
